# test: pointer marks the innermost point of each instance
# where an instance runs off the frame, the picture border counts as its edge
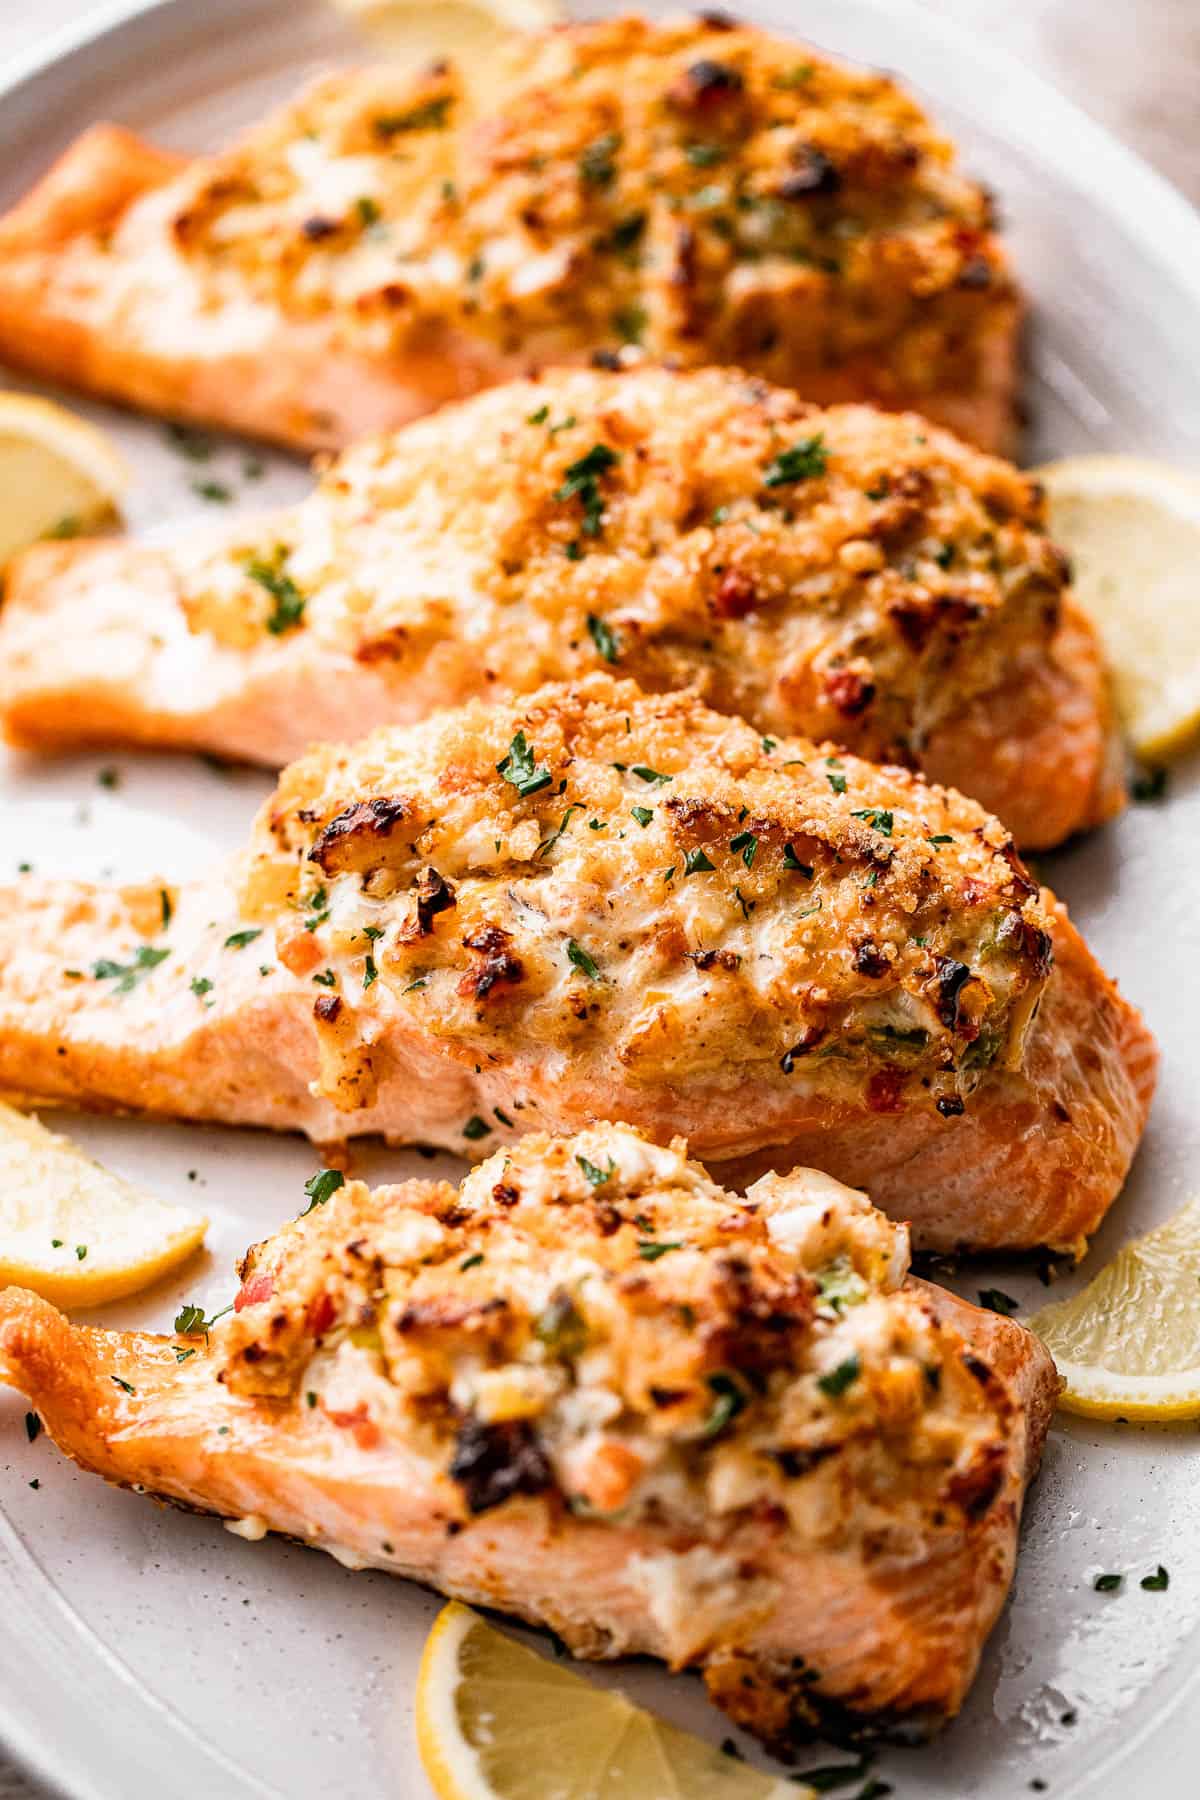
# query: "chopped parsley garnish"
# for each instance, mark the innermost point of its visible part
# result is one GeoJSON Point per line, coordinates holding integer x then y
{"type": "Point", "coordinates": [629, 322]}
{"type": "Point", "coordinates": [579, 958]}
{"type": "Point", "coordinates": [695, 862]}
{"type": "Point", "coordinates": [320, 1186]}
{"type": "Point", "coordinates": [643, 815]}
{"type": "Point", "coordinates": [367, 210]}
{"type": "Point", "coordinates": [164, 901]}
{"type": "Point", "coordinates": [792, 861]}
{"type": "Point", "coordinates": [802, 462]}
{"type": "Point", "coordinates": [181, 1356]}
{"type": "Point", "coordinates": [216, 491]}
{"type": "Point", "coordinates": [839, 1285]}
{"type": "Point", "coordinates": [318, 900]}
{"type": "Point", "coordinates": [839, 1379]}
{"type": "Point", "coordinates": [1108, 1584]}
{"type": "Point", "coordinates": [471, 1262]}
{"type": "Point", "coordinates": [539, 417]}
{"type": "Point", "coordinates": [33, 1426]}
{"type": "Point", "coordinates": [237, 940]}
{"type": "Point", "coordinates": [521, 771]}
{"type": "Point", "coordinates": [476, 1128]}
{"type": "Point", "coordinates": [430, 116]}
{"type": "Point", "coordinates": [746, 844]}
{"type": "Point", "coordinates": [596, 165]}
{"type": "Point", "coordinates": [200, 985]}
{"type": "Point", "coordinates": [189, 1319]}
{"type": "Point", "coordinates": [627, 231]}
{"type": "Point", "coordinates": [597, 1176]}
{"type": "Point", "coordinates": [651, 776]}
{"type": "Point", "coordinates": [196, 445]}
{"type": "Point", "coordinates": [1155, 1584]}
{"type": "Point", "coordinates": [823, 1780]}
{"type": "Point", "coordinates": [941, 837]}
{"type": "Point", "coordinates": [837, 783]}
{"type": "Point", "coordinates": [370, 972]}
{"type": "Point", "coordinates": [997, 1301]}
{"type": "Point", "coordinates": [127, 975]}
{"type": "Point", "coordinates": [604, 638]}
{"type": "Point", "coordinates": [583, 483]}
{"type": "Point", "coordinates": [651, 1250]}
{"type": "Point", "coordinates": [875, 817]}
{"type": "Point", "coordinates": [325, 978]}
{"type": "Point", "coordinates": [503, 1117]}
{"type": "Point", "coordinates": [126, 1387]}
{"type": "Point", "coordinates": [288, 609]}
{"type": "Point", "coordinates": [704, 156]}
{"type": "Point", "coordinates": [729, 1400]}
{"type": "Point", "coordinates": [547, 844]}
{"type": "Point", "coordinates": [108, 778]}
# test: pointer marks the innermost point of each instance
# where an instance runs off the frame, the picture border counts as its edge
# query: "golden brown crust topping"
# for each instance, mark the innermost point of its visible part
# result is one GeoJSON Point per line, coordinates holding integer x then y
{"type": "Point", "coordinates": [839, 571]}
{"type": "Point", "coordinates": [651, 888]}
{"type": "Point", "coordinates": [716, 195]}
{"type": "Point", "coordinates": [595, 1317]}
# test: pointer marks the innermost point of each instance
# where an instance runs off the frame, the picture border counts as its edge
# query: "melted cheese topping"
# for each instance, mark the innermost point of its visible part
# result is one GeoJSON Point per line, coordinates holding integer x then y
{"type": "Point", "coordinates": [714, 194]}
{"type": "Point", "coordinates": [838, 572]}
{"type": "Point", "coordinates": [629, 887]}
{"type": "Point", "coordinates": [594, 1318]}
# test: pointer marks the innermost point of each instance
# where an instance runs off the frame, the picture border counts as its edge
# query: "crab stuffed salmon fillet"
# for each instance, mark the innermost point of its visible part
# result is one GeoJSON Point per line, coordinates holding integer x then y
{"type": "Point", "coordinates": [593, 1388]}
{"type": "Point", "coordinates": [836, 572]}
{"type": "Point", "coordinates": [595, 904]}
{"type": "Point", "coordinates": [387, 243]}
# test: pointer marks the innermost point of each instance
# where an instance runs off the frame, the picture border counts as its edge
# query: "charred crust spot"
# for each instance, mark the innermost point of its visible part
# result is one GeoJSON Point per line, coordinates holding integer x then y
{"type": "Point", "coordinates": [813, 173]}
{"type": "Point", "coordinates": [717, 21]}
{"type": "Point", "coordinates": [808, 1040]}
{"type": "Point", "coordinates": [505, 1194]}
{"type": "Point", "coordinates": [976, 273]}
{"type": "Point", "coordinates": [491, 1463]}
{"type": "Point", "coordinates": [795, 1463]}
{"type": "Point", "coordinates": [606, 1218]}
{"type": "Point", "coordinates": [1060, 1112]}
{"type": "Point", "coordinates": [735, 595]}
{"type": "Point", "coordinates": [950, 1106]}
{"type": "Point", "coordinates": [715, 959]}
{"type": "Point", "coordinates": [497, 967]}
{"type": "Point", "coordinates": [608, 360]}
{"type": "Point", "coordinates": [434, 895]}
{"type": "Point", "coordinates": [950, 977]}
{"type": "Point", "coordinates": [663, 1396]}
{"type": "Point", "coordinates": [316, 228]}
{"type": "Point", "coordinates": [869, 960]}
{"type": "Point", "coordinates": [350, 837]}
{"type": "Point", "coordinates": [327, 1008]}
{"type": "Point", "coordinates": [849, 691]}
{"type": "Point", "coordinates": [976, 1487]}
{"type": "Point", "coordinates": [706, 84]}
{"type": "Point", "coordinates": [975, 1365]}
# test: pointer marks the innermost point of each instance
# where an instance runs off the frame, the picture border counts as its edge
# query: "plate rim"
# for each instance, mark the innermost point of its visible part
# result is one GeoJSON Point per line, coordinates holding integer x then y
{"type": "Point", "coordinates": [1056, 131]}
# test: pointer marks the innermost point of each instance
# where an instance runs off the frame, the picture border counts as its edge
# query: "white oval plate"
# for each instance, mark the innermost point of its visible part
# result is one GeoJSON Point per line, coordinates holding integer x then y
{"type": "Point", "coordinates": [144, 1653]}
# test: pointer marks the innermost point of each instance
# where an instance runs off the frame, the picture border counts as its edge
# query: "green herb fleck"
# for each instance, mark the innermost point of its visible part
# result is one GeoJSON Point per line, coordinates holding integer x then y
{"type": "Point", "coordinates": [320, 1186]}
{"type": "Point", "coordinates": [367, 210]}
{"type": "Point", "coordinates": [126, 1387]}
{"type": "Point", "coordinates": [216, 491]}
{"type": "Point", "coordinates": [696, 863]}
{"type": "Point", "coordinates": [476, 1128]}
{"type": "Point", "coordinates": [33, 1426]}
{"type": "Point", "coordinates": [583, 483]}
{"type": "Point", "coordinates": [430, 116]}
{"type": "Point", "coordinates": [539, 417]}
{"type": "Point", "coordinates": [521, 771]}
{"type": "Point", "coordinates": [200, 985]}
{"type": "Point", "coordinates": [997, 1301]}
{"type": "Point", "coordinates": [729, 1400]}
{"type": "Point", "coordinates": [651, 1250]}
{"type": "Point", "coordinates": [837, 783]}
{"type": "Point", "coordinates": [1108, 1584]}
{"type": "Point", "coordinates": [596, 165]}
{"type": "Point", "coordinates": [651, 776]}
{"type": "Point", "coordinates": [237, 940]}
{"type": "Point", "coordinates": [1155, 1584]}
{"type": "Point", "coordinates": [127, 975]}
{"type": "Point", "coordinates": [875, 817]}
{"type": "Point", "coordinates": [792, 861]}
{"type": "Point", "coordinates": [705, 156]}
{"type": "Point", "coordinates": [643, 815]}
{"type": "Point", "coordinates": [288, 609]}
{"type": "Point", "coordinates": [597, 1176]}
{"type": "Point", "coordinates": [802, 462]}
{"type": "Point", "coordinates": [747, 844]}
{"type": "Point", "coordinates": [604, 638]}
{"type": "Point", "coordinates": [471, 1262]}
{"type": "Point", "coordinates": [839, 1379]}
{"type": "Point", "coordinates": [579, 958]}
{"type": "Point", "coordinates": [1149, 786]}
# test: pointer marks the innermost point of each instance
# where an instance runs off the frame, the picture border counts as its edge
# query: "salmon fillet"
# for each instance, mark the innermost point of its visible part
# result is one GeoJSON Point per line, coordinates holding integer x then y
{"type": "Point", "coordinates": [382, 245]}
{"type": "Point", "coordinates": [837, 572]}
{"type": "Point", "coordinates": [602, 904]}
{"type": "Point", "coordinates": [594, 1389]}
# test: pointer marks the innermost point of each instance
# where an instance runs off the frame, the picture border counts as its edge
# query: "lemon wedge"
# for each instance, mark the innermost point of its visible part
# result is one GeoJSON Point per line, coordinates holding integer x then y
{"type": "Point", "coordinates": [74, 1233]}
{"type": "Point", "coordinates": [1128, 1346]}
{"type": "Point", "coordinates": [413, 32]}
{"type": "Point", "coordinates": [59, 475]}
{"type": "Point", "coordinates": [1132, 530]}
{"type": "Point", "coordinates": [495, 1721]}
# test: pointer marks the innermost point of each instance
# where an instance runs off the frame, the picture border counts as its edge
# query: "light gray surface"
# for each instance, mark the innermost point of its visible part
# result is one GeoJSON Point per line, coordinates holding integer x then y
{"type": "Point", "coordinates": [1135, 66]}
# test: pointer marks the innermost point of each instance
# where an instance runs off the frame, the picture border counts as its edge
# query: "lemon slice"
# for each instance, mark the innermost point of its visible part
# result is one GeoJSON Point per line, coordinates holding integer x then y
{"type": "Point", "coordinates": [1128, 1346]}
{"type": "Point", "coordinates": [1132, 529]}
{"type": "Point", "coordinates": [413, 32]}
{"type": "Point", "coordinates": [495, 1721]}
{"type": "Point", "coordinates": [59, 476]}
{"type": "Point", "coordinates": [74, 1233]}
